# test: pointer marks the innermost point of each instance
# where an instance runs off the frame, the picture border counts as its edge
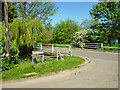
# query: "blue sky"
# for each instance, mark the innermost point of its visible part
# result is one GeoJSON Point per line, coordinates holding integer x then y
{"type": "Point", "coordinates": [76, 11]}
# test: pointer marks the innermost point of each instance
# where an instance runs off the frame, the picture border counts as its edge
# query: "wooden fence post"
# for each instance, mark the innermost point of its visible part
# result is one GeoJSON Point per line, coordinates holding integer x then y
{"type": "Point", "coordinates": [101, 45]}
{"type": "Point", "coordinates": [60, 55]}
{"type": "Point", "coordinates": [70, 51]}
{"type": "Point", "coordinates": [57, 55]}
{"type": "Point", "coordinates": [52, 48]}
{"type": "Point", "coordinates": [43, 58]}
{"type": "Point", "coordinates": [82, 45]}
{"type": "Point", "coordinates": [41, 47]}
{"type": "Point", "coordinates": [32, 57]}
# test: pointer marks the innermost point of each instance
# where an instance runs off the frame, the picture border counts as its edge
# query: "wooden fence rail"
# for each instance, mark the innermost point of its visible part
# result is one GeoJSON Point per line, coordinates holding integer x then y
{"type": "Point", "coordinates": [41, 46]}
{"type": "Point", "coordinates": [92, 45]}
{"type": "Point", "coordinates": [51, 49]}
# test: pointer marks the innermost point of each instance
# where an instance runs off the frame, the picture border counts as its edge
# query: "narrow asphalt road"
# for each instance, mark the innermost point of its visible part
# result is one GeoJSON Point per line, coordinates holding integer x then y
{"type": "Point", "coordinates": [102, 72]}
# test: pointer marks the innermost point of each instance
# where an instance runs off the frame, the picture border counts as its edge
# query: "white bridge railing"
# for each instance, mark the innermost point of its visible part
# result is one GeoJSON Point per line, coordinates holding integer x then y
{"type": "Point", "coordinates": [92, 45]}
{"type": "Point", "coordinates": [111, 47]}
{"type": "Point", "coordinates": [52, 49]}
{"type": "Point", "coordinates": [96, 45]}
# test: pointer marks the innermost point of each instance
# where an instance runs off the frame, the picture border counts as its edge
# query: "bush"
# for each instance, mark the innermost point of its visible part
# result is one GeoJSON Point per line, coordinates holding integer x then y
{"type": "Point", "coordinates": [9, 62]}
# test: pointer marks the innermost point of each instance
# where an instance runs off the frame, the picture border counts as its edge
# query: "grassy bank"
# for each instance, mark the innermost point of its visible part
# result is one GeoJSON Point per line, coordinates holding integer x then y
{"type": "Point", "coordinates": [107, 50]}
{"type": "Point", "coordinates": [100, 50]}
{"type": "Point", "coordinates": [49, 66]}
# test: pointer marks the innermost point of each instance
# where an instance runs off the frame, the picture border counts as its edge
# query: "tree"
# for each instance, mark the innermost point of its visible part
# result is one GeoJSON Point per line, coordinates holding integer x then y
{"type": "Point", "coordinates": [93, 31]}
{"type": "Point", "coordinates": [0, 11]}
{"type": "Point", "coordinates": [12, 11]}
{"type": "Point", "coordinates": [32, 10]}
{"type": "Point", "coordinates": [48, 25]}
{"type": "Point", "coordinates": [64, 31]}
{"type": "Point", "coordinates": [85, 24]}
{"type": "Point", "coordinates": [89, 25]}
{"type": "Point", "coordinates": [47, 36]}
{"type": "Point", "coordinates": [28, 10]}
{"type": "Point", "coordinates": [108, 27]}
{"type": "Point", "coordinates": [23, 34]}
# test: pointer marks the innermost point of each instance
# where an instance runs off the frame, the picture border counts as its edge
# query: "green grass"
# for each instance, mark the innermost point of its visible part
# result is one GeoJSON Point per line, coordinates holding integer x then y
{"type": "Point", "coordinates": [100, 49]}
{"type": "Point", "coordinates": [107, 50]}
{"type": "Point", "coordinates": [49, 66]}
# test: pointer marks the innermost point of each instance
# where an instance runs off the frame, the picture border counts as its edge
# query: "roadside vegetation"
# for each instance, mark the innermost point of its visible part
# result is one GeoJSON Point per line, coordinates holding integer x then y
{"type": "Point", "coordinates": [100, 49]}
{"type": "Point", "coordinates": [23, 68]}
{"type": "Point", "coordinates": [29, 23]}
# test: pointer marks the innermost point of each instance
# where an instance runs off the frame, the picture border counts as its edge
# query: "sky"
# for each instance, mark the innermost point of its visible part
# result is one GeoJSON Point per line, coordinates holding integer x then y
{"type": "Point", "coordinates": [76, 11]}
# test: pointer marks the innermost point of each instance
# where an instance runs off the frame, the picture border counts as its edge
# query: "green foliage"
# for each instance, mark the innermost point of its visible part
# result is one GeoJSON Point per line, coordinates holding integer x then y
{"type": "Point", "coordinates": [118, 45]}
{"type": "Point", "coordinates": [108, 15]}
{"type": "Point", "coordinates": [85, 24]}
{"type": "Point", "coordinates": [48, 25]}
{"type": "Point", "coordinates": [47, 37]}
{"type": "Point", "coordinates": [22, 35]}
{"type": "Point", "coordinates": [26, 10]}
{"type": "Point", "coordinates": [47, 33]}
{"type": "Point", "coordinates": [12, 11]}
{"type": "Point", "coordinates": [9, 62]}
{"type": "Point", "coordinates": [88, 26]}
{"type": "Point", "coordinates": [26, 30]}
{"type": "Point", "coordinates": [33, 10]}
{"type": "Point", "coordinates": [64, 31]}
{"type": "Point", "coordinates": [0, 35]}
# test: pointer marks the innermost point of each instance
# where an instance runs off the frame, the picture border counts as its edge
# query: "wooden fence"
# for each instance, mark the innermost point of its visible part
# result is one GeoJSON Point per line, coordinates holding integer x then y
{"type": "Point", "coordinates": [54, 50]}
{"type": "Point", "coordinates": [92, 45]}
{"type": "Point", "coordinates": [96, 45]}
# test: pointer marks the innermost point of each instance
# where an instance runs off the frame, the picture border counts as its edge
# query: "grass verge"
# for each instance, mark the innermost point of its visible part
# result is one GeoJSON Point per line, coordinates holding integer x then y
{"type": "Point", "coordinates": [101, 50]}
{"type": "Point", "coordinates": [49, 66]}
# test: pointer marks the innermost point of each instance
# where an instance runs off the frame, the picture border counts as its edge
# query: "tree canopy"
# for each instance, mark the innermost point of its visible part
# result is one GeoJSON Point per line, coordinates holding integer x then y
{"type": "Point", "coordinates": [107, 13]}
{"type": "Point", "coordinates": [12, 11]}
{"type": "Point", "coordinates": [27, 10]}
{"type": "Point", "coordinates": [64, 31]}
{"type": "Point", "coordinates": [32, 10]}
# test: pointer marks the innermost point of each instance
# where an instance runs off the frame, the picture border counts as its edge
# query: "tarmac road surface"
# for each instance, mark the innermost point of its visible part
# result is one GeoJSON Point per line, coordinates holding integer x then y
{"type": "Point", "coordinates": [102, 72]}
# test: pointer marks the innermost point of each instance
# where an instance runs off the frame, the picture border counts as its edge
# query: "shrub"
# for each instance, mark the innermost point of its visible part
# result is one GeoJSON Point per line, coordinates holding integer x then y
{"type": "Point", "coordinates": [8, 62]}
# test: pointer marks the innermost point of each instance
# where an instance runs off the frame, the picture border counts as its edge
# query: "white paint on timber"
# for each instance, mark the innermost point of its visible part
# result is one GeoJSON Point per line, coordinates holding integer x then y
{"type": "Point", "coordinates": [37, 52]}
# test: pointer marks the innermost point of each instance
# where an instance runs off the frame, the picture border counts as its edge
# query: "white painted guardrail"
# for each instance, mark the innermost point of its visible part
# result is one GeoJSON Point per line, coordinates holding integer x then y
{"type": "Point", "coordinates": [37, 52]}
{"type": "Point", "coordinates": [52, 47]}
{"type": "Point", "coordinates": [111, 47]}
{"type": "Point", "coordinates": [41, 52]}
{"type": "Point", "coordinates": [97, 45]}
{"type": "Point", "coordinates": [92, 45]}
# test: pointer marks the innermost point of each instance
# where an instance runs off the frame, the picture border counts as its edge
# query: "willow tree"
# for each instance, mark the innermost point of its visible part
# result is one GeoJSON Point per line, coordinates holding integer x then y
{"type": "Point", "coordinates": [23, 34]}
